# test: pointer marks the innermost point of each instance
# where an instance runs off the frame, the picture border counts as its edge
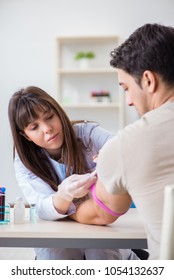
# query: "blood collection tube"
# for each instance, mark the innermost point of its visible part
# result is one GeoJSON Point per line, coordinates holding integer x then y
{"type": "Point", "coordinates": [2, 203]}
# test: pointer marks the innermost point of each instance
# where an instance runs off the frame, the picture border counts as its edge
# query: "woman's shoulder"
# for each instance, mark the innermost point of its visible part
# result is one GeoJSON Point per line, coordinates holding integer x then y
{"type": "Point", "coordinates": [84, 128]}
{"type": "Point", "coordinates": [92, 132]}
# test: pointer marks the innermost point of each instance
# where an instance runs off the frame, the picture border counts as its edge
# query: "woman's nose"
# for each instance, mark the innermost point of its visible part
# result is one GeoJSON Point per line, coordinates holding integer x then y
{"type": "Point", "coordinates": [47, 128]}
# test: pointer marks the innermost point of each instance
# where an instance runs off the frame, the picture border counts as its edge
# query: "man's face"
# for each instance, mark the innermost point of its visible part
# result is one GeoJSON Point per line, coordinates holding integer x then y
{"type": "Point", "coordinates": [135, 95]}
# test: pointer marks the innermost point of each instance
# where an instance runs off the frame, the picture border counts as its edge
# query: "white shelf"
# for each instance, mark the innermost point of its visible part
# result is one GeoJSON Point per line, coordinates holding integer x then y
{"type": "Point", "coordinates": [86, 39]}
{"type": "Point", "coordinates": [75, 85]}
{"type": "Point", "coordinates": [86, 71]}
{"type": "Point", "coordinates": [92, 105]}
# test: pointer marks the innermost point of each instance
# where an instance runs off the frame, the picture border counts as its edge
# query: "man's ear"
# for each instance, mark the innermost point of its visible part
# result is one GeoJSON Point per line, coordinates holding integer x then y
{"type": "Point", "coordinates": [24, 135]}
{"type": "Point", "coordinates": [149, 81]}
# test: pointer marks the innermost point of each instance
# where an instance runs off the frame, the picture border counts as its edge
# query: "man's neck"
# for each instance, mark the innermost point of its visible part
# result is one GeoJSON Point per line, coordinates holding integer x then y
{"type": "Point", "coordinates": [163, 96]}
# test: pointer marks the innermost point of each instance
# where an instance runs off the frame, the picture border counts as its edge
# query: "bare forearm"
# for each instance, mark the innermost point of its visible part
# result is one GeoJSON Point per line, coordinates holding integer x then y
{"type": "Point", "coordinates": [90, 213]}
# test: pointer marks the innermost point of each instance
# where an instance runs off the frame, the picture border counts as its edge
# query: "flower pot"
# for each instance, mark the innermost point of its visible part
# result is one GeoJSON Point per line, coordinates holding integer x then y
{"type": "Point", "coordinates": [84, 63]}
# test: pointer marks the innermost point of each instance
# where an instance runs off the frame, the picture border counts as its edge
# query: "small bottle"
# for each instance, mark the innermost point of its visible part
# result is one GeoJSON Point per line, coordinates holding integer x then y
{"type": "Point", "coordinates": [32, 213]}
{"type": "Point", "coordinates": [19, 211]}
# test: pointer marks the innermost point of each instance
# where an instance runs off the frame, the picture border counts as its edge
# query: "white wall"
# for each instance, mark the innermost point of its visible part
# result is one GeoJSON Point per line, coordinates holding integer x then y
{"type": "Point", "coordinates": [28, 29]}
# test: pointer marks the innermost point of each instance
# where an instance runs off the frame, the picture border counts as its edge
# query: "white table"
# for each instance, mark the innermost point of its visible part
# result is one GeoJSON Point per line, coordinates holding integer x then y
{"type": "Point", "coordinates": [125, 233]}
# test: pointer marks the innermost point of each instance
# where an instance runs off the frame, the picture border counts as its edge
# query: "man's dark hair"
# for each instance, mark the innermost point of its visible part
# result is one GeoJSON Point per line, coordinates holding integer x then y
{"type": "Point", "coordinates": [150, 47]}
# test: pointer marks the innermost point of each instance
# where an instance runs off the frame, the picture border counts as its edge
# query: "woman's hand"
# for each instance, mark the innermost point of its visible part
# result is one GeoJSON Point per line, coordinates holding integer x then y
{"type": "Point", "coordinates": [76, 186]}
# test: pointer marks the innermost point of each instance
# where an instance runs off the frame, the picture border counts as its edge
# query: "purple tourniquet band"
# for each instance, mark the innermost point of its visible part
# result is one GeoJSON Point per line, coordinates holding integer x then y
{"type": "Point", "coordinates": [104, 207]}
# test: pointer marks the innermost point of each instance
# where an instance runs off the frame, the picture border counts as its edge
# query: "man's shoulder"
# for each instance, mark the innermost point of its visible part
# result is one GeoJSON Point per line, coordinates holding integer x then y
{"type": "Point", "coordinates": [150, 123]}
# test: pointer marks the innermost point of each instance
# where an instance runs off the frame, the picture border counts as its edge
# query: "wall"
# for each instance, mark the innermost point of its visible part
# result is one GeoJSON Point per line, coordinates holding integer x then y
{"type": "Point", "coordinates": [28, 50]}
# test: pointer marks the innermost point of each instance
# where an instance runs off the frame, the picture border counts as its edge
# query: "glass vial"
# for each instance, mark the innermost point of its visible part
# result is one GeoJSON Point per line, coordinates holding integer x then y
{"type": "Point", "coordinates": [19, 211]}
{"type": "Point", "coordinates": [32, 213]}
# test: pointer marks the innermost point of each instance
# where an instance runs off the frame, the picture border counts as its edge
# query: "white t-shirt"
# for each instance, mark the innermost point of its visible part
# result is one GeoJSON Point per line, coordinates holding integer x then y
{"type": "Point", "coordinates": [140, 161]}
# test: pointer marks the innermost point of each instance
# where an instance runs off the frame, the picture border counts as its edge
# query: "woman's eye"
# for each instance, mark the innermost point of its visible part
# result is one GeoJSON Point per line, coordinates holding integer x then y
{"type": "Point", "coordinates": [33, 127]}
{"type": "Point", "coordinates": [50, 117]}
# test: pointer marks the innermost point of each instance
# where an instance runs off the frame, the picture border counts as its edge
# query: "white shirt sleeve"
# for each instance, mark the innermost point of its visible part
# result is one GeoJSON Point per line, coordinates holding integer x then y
{"type": "Point", "coordinates": [38, 192]}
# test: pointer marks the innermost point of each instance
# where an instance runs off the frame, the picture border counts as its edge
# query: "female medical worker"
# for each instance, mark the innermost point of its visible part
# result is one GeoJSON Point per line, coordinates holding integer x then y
{"type": "Point", "coordinates": [49, 150]}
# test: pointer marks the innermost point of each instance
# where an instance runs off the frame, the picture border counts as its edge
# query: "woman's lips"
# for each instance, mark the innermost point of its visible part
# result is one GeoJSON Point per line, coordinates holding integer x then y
{"type": "Point", "coordinates": [53, 137]}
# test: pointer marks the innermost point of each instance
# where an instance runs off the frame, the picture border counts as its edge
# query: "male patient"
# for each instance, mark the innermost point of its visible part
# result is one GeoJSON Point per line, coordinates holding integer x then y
{"type": "Point", "coordinates": [138, 162]}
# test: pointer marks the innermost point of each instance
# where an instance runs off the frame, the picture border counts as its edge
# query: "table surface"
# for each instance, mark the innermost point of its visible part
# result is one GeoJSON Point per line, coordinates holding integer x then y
{"type": "Point", "coordinates": [127, 232]}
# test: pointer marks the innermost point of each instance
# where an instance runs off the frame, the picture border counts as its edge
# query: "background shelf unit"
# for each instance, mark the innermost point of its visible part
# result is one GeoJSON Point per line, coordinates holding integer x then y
{"type": "Point", "coordinates": [75, 84]}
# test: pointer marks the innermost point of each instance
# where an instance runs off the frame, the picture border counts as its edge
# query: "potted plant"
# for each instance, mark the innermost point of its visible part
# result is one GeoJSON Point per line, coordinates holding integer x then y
{"type": "Point", "coordinates": [83, 58]}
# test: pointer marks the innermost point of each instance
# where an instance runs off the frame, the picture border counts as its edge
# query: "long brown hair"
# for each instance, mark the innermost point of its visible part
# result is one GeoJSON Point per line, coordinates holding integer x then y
{"type": "Point", "coordinates": [23, 108]}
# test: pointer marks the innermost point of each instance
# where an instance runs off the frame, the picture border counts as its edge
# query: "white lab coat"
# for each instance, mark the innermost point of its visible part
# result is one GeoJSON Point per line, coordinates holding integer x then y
{"type": "Point", "coordinates": [39, 192]}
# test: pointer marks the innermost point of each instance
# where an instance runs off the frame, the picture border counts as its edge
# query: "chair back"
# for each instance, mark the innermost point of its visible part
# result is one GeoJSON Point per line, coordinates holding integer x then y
{"type": "Point", "coordinates": [167, 234]}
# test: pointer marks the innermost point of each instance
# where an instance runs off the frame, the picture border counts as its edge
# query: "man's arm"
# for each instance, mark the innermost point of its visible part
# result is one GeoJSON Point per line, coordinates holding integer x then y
{"type": "Point", "coordinates": [90, 212]}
